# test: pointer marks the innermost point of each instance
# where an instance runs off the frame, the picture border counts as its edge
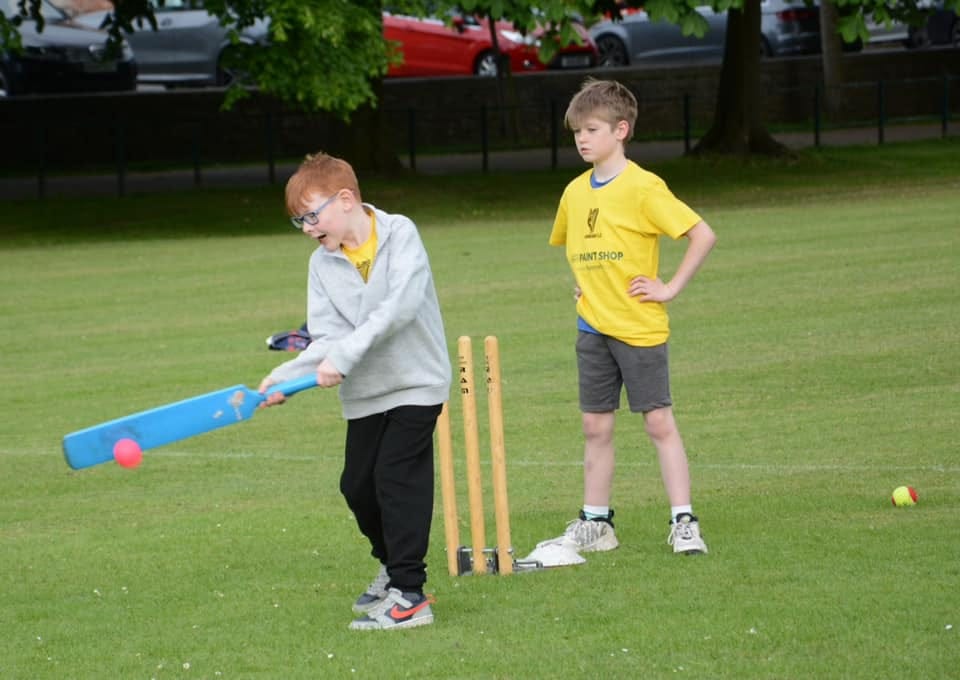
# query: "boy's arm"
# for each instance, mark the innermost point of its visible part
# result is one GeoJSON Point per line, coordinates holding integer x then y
{"type": "Point", "coordinates": [701, 240]}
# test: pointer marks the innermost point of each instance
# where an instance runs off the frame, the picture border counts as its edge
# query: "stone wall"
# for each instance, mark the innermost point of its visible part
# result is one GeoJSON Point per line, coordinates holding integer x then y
{"type": "Point", "coordinates": [447, 114]}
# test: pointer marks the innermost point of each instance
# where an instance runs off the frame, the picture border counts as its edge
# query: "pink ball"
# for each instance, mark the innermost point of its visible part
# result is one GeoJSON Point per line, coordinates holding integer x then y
{"type": "Point", "coordinates": [127, 453]}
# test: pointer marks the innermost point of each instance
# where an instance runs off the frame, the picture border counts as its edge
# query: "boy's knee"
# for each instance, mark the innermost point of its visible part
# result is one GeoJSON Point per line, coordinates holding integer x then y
{"type": "Point", "coordinates": [598, 425]}
{"type": "Point", "coordinates": [660, 423]}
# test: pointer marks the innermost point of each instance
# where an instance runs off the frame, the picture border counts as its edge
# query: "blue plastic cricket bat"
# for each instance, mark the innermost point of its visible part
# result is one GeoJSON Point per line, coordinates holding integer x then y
{"type": "Point", "coordinates": [172, 422]}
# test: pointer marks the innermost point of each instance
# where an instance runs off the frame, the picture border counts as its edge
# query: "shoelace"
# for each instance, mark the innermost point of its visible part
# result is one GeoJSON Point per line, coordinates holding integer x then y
{"type": "Point", "coordinates": [584, 531]}
{"type": "Point", "coordinates": [681, 530]}
{"type": "Point", "coordinates": [387, 603]}
{"type": "Point", "coordinates": [394, 597]}
{"type": "Point", "coordinates": [379, 584]}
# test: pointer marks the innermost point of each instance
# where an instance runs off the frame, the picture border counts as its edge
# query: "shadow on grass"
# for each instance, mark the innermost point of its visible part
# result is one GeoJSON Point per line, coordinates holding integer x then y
{"type": "Point", "coordinates": [457, 198]}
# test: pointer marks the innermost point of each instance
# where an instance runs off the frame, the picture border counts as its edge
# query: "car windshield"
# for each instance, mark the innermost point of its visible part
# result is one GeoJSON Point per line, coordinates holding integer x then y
{"type": "Point", "coordinates": [179, 4]}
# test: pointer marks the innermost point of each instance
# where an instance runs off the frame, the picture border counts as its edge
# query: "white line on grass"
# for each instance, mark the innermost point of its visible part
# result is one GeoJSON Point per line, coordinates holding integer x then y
{"type": "Point", "coordinates": [760, 467]}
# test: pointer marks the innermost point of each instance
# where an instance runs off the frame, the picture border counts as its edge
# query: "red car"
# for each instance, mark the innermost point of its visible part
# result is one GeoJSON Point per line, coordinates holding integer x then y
{"type": "Point", "coordinates": [432, 48]}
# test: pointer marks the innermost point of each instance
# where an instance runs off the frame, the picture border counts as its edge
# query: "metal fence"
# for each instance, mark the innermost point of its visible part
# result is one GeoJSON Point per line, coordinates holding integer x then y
{"type": "Point", "coordinates": [480, 131]}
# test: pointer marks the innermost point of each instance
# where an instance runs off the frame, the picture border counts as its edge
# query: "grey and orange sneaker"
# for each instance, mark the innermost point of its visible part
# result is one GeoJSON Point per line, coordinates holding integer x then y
{"type": "Point", "coordinates": [587, 535]}
{"type": "Point", "coordinates": [397, 610]}
{"type": "Point", "coordinates": [374, 594]}
{"type": "Point", "coordinates": [685, 536]}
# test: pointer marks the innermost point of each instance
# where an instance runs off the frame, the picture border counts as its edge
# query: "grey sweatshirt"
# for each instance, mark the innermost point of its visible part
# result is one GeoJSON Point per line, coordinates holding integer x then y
{"type": "Point", "coordinates": [386, 335]}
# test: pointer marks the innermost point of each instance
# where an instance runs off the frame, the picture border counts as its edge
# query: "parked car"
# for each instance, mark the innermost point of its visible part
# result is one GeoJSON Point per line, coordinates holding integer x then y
{"type": "Point", "coordinates": [883, 33]}
{"type": "Point", "coordinates": [941, 28]}
{"type": "Point", "coordinates": [787, 27]}
{"type": "Point", "coordinates": [63, 57]}
{"type": "Point", "coordinates": [188, 47]}
{"type": "Point", "coordinates": [636, 38]}
{"type": "Point", "coordinates": [431, 47]}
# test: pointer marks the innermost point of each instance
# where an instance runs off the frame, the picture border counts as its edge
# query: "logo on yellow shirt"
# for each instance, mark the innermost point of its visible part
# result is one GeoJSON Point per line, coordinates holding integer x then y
{"type": "Point", "coordinates": [592, 224]}
{"type": "Point", "coordinates": [364, 268]}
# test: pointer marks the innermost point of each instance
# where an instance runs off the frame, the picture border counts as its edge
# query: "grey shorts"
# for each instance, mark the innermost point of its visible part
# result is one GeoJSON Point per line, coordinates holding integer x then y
{"type": "Point", "coordinates": [606, 365]}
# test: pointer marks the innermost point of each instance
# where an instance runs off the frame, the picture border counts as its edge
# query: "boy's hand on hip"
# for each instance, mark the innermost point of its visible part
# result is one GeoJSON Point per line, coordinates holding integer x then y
{"type": "Point", "coordinates": [328, 375]}
{"type": "Point", "coordinates": [650, 290]}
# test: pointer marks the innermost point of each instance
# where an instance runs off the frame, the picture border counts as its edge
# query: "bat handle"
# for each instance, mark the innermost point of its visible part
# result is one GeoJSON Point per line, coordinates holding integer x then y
{"type": "Point", "coordinates": [293, 386]}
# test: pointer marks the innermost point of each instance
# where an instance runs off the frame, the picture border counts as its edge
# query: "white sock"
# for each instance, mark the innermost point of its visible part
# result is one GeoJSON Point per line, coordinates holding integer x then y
{"type": "Point", "coordinates": [596, 511]}
{"type": "Point", "coordinates": [680, 510]}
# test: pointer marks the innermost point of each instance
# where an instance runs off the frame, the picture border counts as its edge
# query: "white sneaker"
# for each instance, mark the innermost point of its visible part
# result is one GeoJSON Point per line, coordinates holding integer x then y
{"type": "Point", "coordinates": [397, 610]}
{"type": "Point", "coordinates": [548, 555]}
{"type": "Point", "coordinates": [586, 535]}
{"type": "Point", "coordinates": [685, 536]}
{"type": "Point", "coordinates": [374, 594]}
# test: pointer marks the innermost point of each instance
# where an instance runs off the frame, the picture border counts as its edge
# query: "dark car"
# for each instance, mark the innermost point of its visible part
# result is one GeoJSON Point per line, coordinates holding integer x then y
{"type": "Point", "coordinates": [63, 57]}
{"type": "Point", "coordinates": [636, 38]}
{"type": "Point", "coordinates": [942, 27]}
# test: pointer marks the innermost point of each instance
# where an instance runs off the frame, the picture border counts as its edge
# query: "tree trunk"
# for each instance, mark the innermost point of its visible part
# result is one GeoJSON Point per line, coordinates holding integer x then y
{"type": "Point", "coordinates": [738, 126]}
{"type": "Point", "coordinates": [504, 76]}
{"type": "Point", "coordinates": [831, 45]}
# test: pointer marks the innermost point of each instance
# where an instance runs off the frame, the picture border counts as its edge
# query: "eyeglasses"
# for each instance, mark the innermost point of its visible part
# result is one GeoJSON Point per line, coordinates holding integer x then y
{"type": "Point", "coordinates": [311, 217]}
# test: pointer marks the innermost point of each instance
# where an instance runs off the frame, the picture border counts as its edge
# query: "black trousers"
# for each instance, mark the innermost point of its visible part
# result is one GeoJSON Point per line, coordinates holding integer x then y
{"type": "Point", "coordinates": [387, 481]}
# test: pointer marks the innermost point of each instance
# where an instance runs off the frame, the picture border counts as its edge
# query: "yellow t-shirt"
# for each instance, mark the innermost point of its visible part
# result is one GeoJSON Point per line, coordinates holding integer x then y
{"type": "Point", "coordinates": [362, 256]}
{"type": "Point", "coordinates": [612, 234]}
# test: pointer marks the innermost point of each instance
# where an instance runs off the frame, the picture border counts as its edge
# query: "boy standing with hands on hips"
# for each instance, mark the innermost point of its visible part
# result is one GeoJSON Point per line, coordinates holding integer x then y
{"type": "Point", "coordinates": [610, 220]}
{"type": "Point", "coordinates": [376, 332]}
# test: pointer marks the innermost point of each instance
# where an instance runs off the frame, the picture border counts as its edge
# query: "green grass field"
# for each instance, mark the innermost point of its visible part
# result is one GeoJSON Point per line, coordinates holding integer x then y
{"type": "Point", "coordinates": [816, 366]}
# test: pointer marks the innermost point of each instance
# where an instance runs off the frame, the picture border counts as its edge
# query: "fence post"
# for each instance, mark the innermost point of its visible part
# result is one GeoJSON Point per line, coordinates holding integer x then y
{"type": "Point", "coordinates": [412, 137]}
{"type": "Point", "coordinates": [881, 111]}
{"type": "Point", "coordinates": [554, 134]}
{"type": "Point", "coordinates": [121, 154]}
{"type": "Point", "coordinates": [945, 105]}
{"type": "Point", "coordinates": [816, 115]}
{"type": "Point", "coordinates": [271, 147]}
{"type": "Point", "coordinates": [686, 122]}
{"type": "Point", "coordinates": [42, 159]}
{"type": "Point", "coordinates": [484, 137]}
{"type": "Point", "coordinates": [195, 148]}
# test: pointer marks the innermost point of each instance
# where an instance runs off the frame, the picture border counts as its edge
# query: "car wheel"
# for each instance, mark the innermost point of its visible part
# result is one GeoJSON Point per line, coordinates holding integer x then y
{"type": "Point", "coordinates": [227, 71]}
{"type": "Point", "coordinates": [855, 46]}
{"type": "Point", "coordinates": [486, 65]}
{"type": "Point", "coordinates": [918, 38]}
{"type": "Point", "coordinates": [612, 51]}
{"type": "Point", "coordinates": [765, 50]}
{"type": "Point", "coordinates": [6, 84]}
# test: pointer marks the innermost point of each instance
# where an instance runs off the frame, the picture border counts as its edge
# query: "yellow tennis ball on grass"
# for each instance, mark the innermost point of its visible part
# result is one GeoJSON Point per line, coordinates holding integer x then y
{"type": "Point", "coordinates": [904, 496]}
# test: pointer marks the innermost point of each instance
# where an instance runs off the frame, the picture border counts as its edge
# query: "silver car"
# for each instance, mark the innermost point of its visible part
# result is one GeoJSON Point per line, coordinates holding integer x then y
{"type": "Point", "coordinates": [786, 28]}
{"type": "Point", "coordinates": [637, 38]}
{"type": "Point", "coordinates": [188, 47]}
{"type": "Point", "coordinates": [63, 57]}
